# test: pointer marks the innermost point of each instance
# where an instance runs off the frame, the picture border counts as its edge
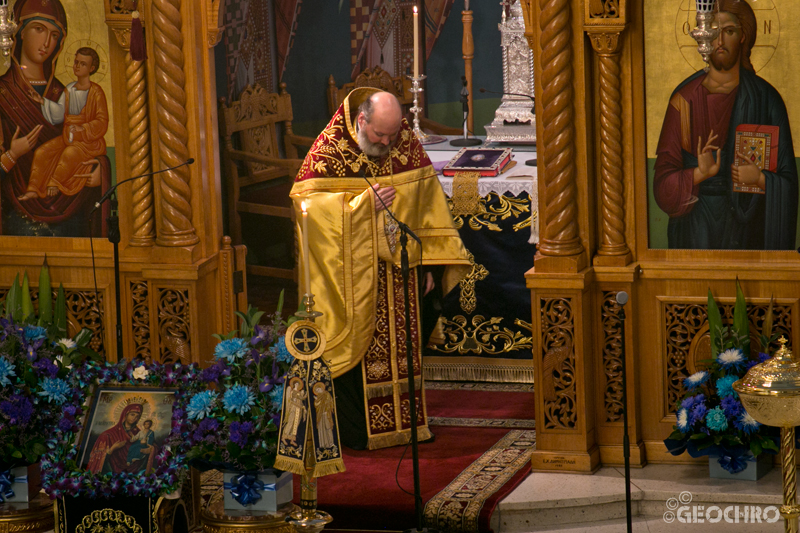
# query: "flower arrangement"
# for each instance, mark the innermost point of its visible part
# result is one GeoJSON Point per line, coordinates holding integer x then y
{"type": "Point", "coordinates": [710, 418]}
{"type": "Point", "coordinates": [234, 422]}
{"type": "Point", "coordinates": [61, 473]}
{"type": "Point", "coordinates": [35, 360]}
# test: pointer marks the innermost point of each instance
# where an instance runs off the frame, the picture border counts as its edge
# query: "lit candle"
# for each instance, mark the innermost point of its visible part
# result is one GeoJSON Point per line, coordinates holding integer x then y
{"type": "Point", "coordinates": [416, 43]}
{"type": "Point", "coordinates": [306, 257]}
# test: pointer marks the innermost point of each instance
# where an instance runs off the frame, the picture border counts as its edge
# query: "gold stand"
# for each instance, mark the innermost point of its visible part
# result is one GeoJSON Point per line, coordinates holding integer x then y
{"type": "Point", "coordinates": [32, 517]}
{"type": "Point", "coordinates": [215, 520]}
{"type": "Point", "coordinates": [308, 519]}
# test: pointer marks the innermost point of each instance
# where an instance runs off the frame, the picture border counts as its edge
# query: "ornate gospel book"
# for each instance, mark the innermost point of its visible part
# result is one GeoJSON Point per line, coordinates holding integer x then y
{"type": "Point", "coordinates": [487, 161]}
{"type": "Point", "coordinates": [759, 143]}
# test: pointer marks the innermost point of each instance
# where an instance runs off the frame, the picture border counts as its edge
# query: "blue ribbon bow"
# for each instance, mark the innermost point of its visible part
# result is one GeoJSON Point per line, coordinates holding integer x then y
{"type": "Point", "coordinates": [6, 480]}
{"type": "Point", "coordinates": [247, 487]}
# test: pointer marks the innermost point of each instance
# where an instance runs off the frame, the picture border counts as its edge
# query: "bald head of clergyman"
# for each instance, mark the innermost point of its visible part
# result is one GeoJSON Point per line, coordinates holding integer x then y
{"type": "Point", "coordinates": [378, 123]}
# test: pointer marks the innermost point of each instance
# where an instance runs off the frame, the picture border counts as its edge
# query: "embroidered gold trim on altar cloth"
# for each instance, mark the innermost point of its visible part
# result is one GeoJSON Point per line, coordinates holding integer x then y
{"type": "Point", "coordinates": [466, 200]}
{"type": "Point", "coordinates": [487, 217]}
{"type": "Point", "coordinates": [457, 507]}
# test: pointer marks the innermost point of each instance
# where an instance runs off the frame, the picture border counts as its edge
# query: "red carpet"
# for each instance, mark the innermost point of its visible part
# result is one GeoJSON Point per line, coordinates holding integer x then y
{"type": "Point", "coordinates": [366, 496]}
{"type": "Point", "coordinates": [479, 404]}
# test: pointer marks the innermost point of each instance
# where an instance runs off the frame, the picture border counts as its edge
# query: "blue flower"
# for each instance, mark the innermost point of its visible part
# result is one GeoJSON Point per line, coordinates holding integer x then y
{"type": "Point", "coordinates": [238, 399]}
{"type": "Point", "coordinates": [201, 404]}
{"type": "Point", "coordinates": [724, 387]}
{"type": "Point", "coordinates": [55, 390]}
{"type": "Point", "coordinates": [746, 423]}
{"type": "Point", "coordinates": [34, 333]}
{"type": "Point", "coordinates": [691, 401]}
{"type": "Point", "coordinates": [231, 349]}
{"type": "Point", "coordinates": [683, 420]}
{"type": "Point", "coordinates": [18, 409]}
{"type": "Point", "coordinates": [716, 420]}
{"type": "Point", "coordinates": [283, 354]}
{"type": "Point", "coordinates": [731, 407]}
{"type": "Point", "coordinates": [695, 380]}
{"type": "Point", "coordinates": [697, 413]}
{"type": "Point", "coordinates": [261, 335]}
{"type": "Point", "coordinates": [6, 371]}
{"type": "Point", "coordinates": [276, 397]}
{"type": "Point", "coordinates": [732, 359]}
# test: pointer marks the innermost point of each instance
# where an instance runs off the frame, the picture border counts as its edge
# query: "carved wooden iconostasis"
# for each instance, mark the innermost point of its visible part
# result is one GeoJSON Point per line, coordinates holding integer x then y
{"type": "Point", "coordinates": [606, 71]}
{"type": "Point", "coordinates": [177, 269]}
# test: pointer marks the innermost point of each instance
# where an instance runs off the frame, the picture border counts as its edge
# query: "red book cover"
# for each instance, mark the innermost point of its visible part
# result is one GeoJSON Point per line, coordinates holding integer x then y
{"type": "Point", "coordinates": [487, 161]}
{"type": "Point", "coordinates": [759, 143]}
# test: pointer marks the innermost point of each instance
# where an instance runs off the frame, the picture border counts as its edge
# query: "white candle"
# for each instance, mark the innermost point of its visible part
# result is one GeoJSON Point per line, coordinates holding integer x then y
{"type": "Point", "coordinates": [416, 43]}
{"type": "Point", "coordinates": [306, 256]}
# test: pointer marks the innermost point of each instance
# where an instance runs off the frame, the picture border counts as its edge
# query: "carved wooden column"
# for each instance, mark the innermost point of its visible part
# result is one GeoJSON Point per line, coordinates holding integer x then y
{"type": "Point", "coordinates": [175, 227]}
{"type": "Point", "coordinates": [558, 206]}
{"type": "Point", "coordinates": [118, 18]}
{"type": "Point", "coordinates": [604, 22]}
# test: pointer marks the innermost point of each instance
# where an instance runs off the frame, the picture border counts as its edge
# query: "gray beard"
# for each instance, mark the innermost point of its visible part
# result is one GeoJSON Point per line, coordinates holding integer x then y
{"type": "Point", "coordinates": [370, 148]}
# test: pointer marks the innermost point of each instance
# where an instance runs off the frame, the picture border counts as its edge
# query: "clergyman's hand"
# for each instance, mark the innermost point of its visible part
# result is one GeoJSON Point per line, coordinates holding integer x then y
{"type": "Point", "coordinates": [747, 172]}
{"type": "Point", "coordinates": [386, 194]}
{"type": "Point", "coordinates": [429, 283]}
{"type": "Point", "coordinates": [706, 165]}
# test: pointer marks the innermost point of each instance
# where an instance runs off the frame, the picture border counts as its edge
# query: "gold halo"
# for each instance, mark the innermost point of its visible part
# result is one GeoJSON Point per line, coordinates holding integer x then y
{"type": "Point", "coordinates": [309, 337]}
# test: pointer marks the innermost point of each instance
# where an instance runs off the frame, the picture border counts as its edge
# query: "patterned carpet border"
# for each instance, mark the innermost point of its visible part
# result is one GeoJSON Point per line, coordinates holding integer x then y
{"type": "Point", "coordinates": [511, 423]}
{"type": "Point", "coordinates": [457, 507]}
{"type": "Point", "coordinates": [460, 385]}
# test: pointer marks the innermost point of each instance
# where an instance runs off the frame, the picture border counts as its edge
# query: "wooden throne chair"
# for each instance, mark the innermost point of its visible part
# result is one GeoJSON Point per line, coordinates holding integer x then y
{"type": "Point", "coordinates": [380, 79]}
{"type": "Point", "coordinates": [258, 176]}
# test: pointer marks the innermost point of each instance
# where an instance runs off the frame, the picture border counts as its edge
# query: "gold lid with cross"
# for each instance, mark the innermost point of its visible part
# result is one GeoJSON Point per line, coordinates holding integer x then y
{"type": "Point", "coordinates": [779, 376]}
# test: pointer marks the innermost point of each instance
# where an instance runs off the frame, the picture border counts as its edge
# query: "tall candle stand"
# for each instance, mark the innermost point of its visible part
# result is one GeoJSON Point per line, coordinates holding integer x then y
{"type": "Point", "coordinates": [423, 137]}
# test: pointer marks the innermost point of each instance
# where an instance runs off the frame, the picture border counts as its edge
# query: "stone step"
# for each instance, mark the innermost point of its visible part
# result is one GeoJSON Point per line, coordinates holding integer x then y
{"type": "Point", "coordinates": [675, 495]}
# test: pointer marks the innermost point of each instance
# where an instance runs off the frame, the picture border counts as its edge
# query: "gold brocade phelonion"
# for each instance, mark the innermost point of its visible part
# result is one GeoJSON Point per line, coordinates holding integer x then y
{"type": "Point", "coordinates": [770, 393]}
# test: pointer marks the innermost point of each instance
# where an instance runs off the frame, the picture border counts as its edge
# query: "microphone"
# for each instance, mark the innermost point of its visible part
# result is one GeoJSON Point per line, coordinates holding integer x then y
{"type": "Point", "coordinates": [483, 90]}
{"type": "Point", "coordinates": [465, 141]}
{"type": "Point", "coordinates": [622, 297]}
{"type": "Point", "coordinates": [363, 174]}
{"type": "Point", "coordinates": [113, 188]}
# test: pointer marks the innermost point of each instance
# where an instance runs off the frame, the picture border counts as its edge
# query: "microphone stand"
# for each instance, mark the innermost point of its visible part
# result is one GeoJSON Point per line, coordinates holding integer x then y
{"type": "Point", "coordinates": [466, 141]}
{"type": "Point", "coordinates": [405, 269]}
{"type": "Point", "coordinates": [622, 299]}
{"type": "Point", "coordinates": [112, 223]}
{"type": "Point", "coordinates": [114, 238]}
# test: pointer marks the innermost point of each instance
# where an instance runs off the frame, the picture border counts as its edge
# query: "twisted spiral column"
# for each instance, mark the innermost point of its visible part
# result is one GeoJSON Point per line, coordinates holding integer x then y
{"type": "Point", "coordinates": [175, 221]}
{"type": "Point", "coordinates": [612, 228]}
{"type": "Point", "coordinates": [789, 510]}
{"type": "Point", "coordinates": [139, 147]}
{"type": "Point", "coordinates": [560, 210]}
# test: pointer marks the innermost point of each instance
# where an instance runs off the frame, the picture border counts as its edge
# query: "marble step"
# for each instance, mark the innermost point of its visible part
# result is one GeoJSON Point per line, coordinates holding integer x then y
{"type": "Point", "coordinates": [673, 495]}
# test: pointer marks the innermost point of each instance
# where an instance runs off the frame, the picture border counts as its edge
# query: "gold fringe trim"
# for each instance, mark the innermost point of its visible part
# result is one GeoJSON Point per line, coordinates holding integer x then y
{"type": "Point", "coordinates": [465, 372]}
{"type": "Point", "coordinates": [397, 438]}
{"type": "Point", "coordinates": [328, 467]}
{"type": "Point", "coordinates": [295, 466]}
{"type": "Point", "coordinates": [378, 391]}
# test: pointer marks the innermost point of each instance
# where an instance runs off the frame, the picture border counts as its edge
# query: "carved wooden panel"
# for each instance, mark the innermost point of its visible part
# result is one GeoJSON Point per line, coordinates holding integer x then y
{"type": "Point", "coordinates": [612, 357]}
{"type": "Point", "coordinates": [558, 363]}
{"type": "Point", "coordinates": [687, 339]}
{"type": "Point", "coordinates": [140, 320]}
{"type": "Point", "coordinates": [174, 324]}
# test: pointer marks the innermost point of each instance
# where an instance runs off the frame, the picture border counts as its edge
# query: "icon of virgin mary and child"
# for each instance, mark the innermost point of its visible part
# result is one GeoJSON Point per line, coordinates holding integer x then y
{"type": "Point", "coordinates": [53, 163]}
{"type": "Point", "coordinates": [128, 446]}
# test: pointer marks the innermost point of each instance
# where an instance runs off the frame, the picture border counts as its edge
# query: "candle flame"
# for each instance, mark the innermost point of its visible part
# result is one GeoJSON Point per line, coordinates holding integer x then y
{"type": "Point", "coordinates": [303, 206]}
{"type": "Point", "coordinates": [415, 10]}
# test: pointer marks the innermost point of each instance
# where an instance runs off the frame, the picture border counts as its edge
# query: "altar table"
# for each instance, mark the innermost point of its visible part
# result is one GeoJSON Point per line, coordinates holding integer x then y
{"type": "Point", "coordinates": [487, 319]}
